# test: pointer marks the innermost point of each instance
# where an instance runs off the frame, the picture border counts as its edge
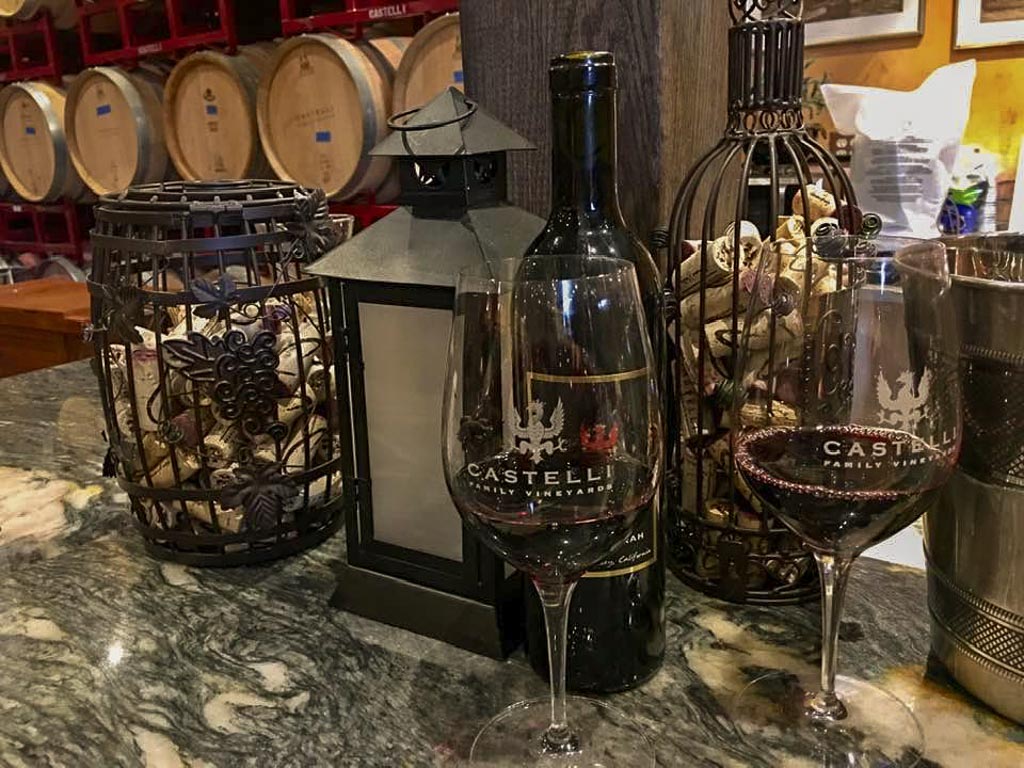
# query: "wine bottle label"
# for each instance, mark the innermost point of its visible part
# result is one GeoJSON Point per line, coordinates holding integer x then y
{"type": "Point", "coordinates": [640, 550]}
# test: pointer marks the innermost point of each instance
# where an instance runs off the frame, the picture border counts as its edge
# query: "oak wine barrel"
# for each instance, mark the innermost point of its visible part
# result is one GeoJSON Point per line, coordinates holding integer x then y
{"type": "Point", "coordinates": [323, 104]}
{"type": "Point", "coordinates": [33, 148]}
{"type": "Point", "coordinates": [432, 63]}
{"type": "Point", "coordinates": [210, 114]}
{"type": "Point", "coordinates": [64, 13]}
{"type": "Point", "coordinates": [115, 127]}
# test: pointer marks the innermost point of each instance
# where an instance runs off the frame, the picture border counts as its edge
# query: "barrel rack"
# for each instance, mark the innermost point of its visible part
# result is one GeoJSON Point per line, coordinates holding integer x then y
{"type": "Point", "coordinates": [29, 50]}
{"type": "Point", "coordinates": [149, 29]}
{"type": "Point", "coordinates": [354, 14]}
{"type": "Point", "coordinates": [44, 228]}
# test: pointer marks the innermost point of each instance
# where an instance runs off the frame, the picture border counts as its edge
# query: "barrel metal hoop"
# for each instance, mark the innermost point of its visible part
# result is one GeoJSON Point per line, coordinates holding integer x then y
{"type": "Point", "coordinates": [142, 491]}
{"type": "Point", "coordinates": [58, 185]}
{"type": "Point", "coordinates": [193, 245]}
{"type": "Point", "coordinates": [249, 295]}
{"type": "Point", "coordinates": [345, 50]}
{"type": "Point", "coordinates": [990, 635]}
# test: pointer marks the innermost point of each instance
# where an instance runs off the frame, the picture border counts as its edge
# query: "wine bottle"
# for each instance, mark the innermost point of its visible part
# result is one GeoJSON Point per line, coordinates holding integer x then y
{"type": "Point", "coordinates": [617, 615]}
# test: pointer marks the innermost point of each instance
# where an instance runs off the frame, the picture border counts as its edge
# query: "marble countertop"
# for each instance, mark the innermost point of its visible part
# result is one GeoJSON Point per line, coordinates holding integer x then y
{"type": "Point", "coordinates": [111, 658]}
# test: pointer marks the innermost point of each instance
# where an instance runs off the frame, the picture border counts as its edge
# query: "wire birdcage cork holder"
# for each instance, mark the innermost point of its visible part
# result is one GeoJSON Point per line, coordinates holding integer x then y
{"type": "Point", "coordinates": [720, 538]}
{"type": "Point", "coordinates": [213, 357]}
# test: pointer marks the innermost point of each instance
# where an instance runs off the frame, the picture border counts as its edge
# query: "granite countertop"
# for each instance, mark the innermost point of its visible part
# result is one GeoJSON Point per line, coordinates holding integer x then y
{"type": "Point", "coordinates": [111, 658]}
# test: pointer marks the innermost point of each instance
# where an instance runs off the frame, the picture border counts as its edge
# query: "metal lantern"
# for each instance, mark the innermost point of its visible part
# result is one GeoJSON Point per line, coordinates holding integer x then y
{"type": "Point", "coordinates": [411, 563]}
{"type": "Point", "coordinates": [214, 364]}
{"type": "Point", "coordinates": [720, 543]}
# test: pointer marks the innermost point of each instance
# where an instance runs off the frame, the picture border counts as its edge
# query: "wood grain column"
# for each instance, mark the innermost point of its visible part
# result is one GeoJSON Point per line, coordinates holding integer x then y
{"type": "Point", "coordinates": [672, 63]}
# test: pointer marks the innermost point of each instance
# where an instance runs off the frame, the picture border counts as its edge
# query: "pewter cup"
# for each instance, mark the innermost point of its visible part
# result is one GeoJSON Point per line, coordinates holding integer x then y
{"type": "Point", "coordinates": [974, 538]}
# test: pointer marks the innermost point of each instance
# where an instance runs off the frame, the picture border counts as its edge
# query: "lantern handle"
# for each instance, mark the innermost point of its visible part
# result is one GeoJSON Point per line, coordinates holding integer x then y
{"type": "Point", "coordinates": [395, 125]}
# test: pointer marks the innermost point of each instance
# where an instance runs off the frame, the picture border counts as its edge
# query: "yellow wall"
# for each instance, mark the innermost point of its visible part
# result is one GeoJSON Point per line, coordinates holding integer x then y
{"type": "Point", "coordinates": [997, 112]}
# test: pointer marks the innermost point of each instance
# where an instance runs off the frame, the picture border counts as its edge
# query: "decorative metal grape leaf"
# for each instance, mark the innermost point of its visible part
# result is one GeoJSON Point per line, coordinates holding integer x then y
{"type": "Point", "coordinates": [122, 312]}
{"type": "Point", "coordinates": [194, 356]}
{"type": "Point", "coordinates": [261, 491]}
{"type": "Point", "coordinates": [313, 231]}
{"type": "Point", "coordinates": [216, 299]}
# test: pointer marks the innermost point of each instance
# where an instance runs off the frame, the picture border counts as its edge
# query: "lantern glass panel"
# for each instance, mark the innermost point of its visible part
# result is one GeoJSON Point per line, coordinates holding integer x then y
{"type": "Point", "coordinates": [404, 354]}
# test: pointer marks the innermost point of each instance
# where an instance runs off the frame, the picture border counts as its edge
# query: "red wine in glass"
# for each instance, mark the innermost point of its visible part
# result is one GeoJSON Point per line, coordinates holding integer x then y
{"type": "Point", "coordinates": [552, 524]}
{"type": "Point", "coordinates": [844, 488]}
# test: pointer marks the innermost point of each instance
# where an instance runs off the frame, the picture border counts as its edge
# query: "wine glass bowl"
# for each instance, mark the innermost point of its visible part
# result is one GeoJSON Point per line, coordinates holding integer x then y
{"type": "Point", "coordinates": [551, 447]}
{"type": "Point", "coordinates": [846, 424]}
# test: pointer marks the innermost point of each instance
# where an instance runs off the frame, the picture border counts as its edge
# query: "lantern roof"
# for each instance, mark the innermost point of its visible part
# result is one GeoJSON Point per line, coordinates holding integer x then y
{"type": "Point", "coordinates": [402, 249]}
{"type": "Point", "coordinates": [448, 126]}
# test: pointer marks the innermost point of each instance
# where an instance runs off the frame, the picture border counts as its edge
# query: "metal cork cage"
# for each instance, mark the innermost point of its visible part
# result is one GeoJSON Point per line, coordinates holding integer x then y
{"type": "Point", "coordinates": [719, 542]}
{"type": "Point", "coordinates": [213, 357]}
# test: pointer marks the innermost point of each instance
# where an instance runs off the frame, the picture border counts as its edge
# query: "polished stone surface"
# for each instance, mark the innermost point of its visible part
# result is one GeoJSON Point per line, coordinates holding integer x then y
{"type": "Point", "coordinates": [110, 658]}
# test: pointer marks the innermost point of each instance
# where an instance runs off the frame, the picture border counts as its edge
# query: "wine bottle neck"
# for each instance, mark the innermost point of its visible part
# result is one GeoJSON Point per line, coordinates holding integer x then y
{"type": "Point", "coordinates": [583, 157]}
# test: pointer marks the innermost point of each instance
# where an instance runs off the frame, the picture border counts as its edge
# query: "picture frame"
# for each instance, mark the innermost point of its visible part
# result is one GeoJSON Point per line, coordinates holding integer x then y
{"type": "Point", "coordinates": [984, 23]}
{"type": "Point", "coordinates": [870, 20]}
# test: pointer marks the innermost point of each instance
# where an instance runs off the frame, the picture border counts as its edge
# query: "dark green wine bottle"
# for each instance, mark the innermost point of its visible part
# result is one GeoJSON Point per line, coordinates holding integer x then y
{"type": "Point", "coordinates": [617, 615]}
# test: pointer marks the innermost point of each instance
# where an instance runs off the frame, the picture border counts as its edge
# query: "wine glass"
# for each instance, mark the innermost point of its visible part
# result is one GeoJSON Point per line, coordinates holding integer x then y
{"type": "Point", "coordinates": [552, 444]}
{"type": "Point", "coordinates": [846, 424]}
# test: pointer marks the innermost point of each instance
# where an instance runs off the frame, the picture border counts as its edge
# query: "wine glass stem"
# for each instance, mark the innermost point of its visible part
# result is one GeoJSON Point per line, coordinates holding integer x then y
{"type": "Point", "coordinates": [834, 570]}
{"type": "Point", "coordinates": [558, 739]}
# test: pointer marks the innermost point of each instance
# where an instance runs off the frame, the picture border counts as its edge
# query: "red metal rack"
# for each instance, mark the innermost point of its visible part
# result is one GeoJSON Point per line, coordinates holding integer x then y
{"type": "Point", "coordinates": [145, 29]}
{"type": "Point", "coordinates": [29, 51]}
{"type": "Point", "coordinates": [366, 210]}
{"type": "Point", "coordinates": [46, 228]}
{"type": "Point", "coordinates": [355, 13]}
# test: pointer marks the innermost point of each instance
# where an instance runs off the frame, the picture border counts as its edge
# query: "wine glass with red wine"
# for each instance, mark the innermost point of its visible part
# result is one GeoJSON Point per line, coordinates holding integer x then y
{"type": "Point", "coordinates": [552, 445]}
{"type": "Point", "coordinates": [846, 424]}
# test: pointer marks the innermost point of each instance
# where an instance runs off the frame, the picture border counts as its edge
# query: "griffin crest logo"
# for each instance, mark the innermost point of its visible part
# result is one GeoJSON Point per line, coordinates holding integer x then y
{"type": "Point", "coordinates": [533, 438]}
{"type": "Point", "coordinates": [901, 407]}
{"type": "Point", "coordinates": [599, 438]}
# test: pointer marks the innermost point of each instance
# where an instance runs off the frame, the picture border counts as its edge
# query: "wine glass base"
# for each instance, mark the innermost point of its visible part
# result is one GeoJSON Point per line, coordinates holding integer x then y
{"type": "Point", "coordinates": [607, 738]}
{"type": "Point", "coordinates": [879, 730]}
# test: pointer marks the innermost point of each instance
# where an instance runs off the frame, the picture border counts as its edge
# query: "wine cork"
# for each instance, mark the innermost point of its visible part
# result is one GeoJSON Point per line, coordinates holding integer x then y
{"type": "Point", "coordinates": [223, 477]}
{"type": "Point", "coordinates": [162, 475]}
{"type": "Point", "coordinates": [155, 449]}
{"type": "Point", "coordinates": [318, 379]}
{"type": "Point", "coordinates": [145, 375]}
{"type": "Point", "coordinates": [790, 228]}
{"type": "Point", "coordinates": [294, 454]}
{"type": "Point", "coordinates": [298, 405]}
{"type": "Point", "coordinates": [719, 269]}
{"type": "Point", "coordinates": [781, 415]}
{"type": "Point", "coordinates": [821, 204]}
{"type": "Point", "coordinates": [717, 304]}
{"type": "Point", "coordinates": [750, 241]}
{"type": "Point", "coordinates": [276, 316]}
{"type": "Point", "coordinates": [291, 363]}
{"type": "Point", "coordinates": [717, 511]}
{"type": "Point", "coordinates": [220, 446]}
{"type": "Point", "coordinates": [176, 314]}
{"type": "Point", "coordinates": [229, 520]}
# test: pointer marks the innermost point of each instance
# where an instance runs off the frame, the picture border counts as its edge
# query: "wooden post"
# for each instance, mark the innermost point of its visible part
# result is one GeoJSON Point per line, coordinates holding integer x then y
{"type": "Point", "coordinates": [673, 63]}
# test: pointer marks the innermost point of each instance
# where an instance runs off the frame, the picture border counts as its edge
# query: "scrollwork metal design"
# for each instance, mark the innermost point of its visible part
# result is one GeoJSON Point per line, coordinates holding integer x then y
{"type": "Point", "coordinates": [241, 376]}
{"type": "Point", "coordinates": [747, 11]}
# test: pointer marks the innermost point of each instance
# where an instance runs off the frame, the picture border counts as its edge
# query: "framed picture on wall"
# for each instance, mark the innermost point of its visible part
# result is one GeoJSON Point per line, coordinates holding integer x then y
{"type": "Point", "coordinates": [841, 21]}
{"type": "Point", "coordinates": [989, 22]}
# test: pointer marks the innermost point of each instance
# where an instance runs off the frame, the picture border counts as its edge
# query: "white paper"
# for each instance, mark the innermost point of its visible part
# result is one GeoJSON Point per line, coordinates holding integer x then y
{"type": "Point", "coordinates": [1017, 208]}
{"type": "Point", "coordinates": [405, 353]}
{"type": "Point", "coordinates": [905, 145]}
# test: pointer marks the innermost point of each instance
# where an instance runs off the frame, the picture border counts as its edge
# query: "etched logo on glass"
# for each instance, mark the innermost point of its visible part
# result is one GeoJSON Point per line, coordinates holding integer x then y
{"type": "Point", "coordinates": [901, 406]}
{"type": "Point", "coordinates": [534, 438]}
